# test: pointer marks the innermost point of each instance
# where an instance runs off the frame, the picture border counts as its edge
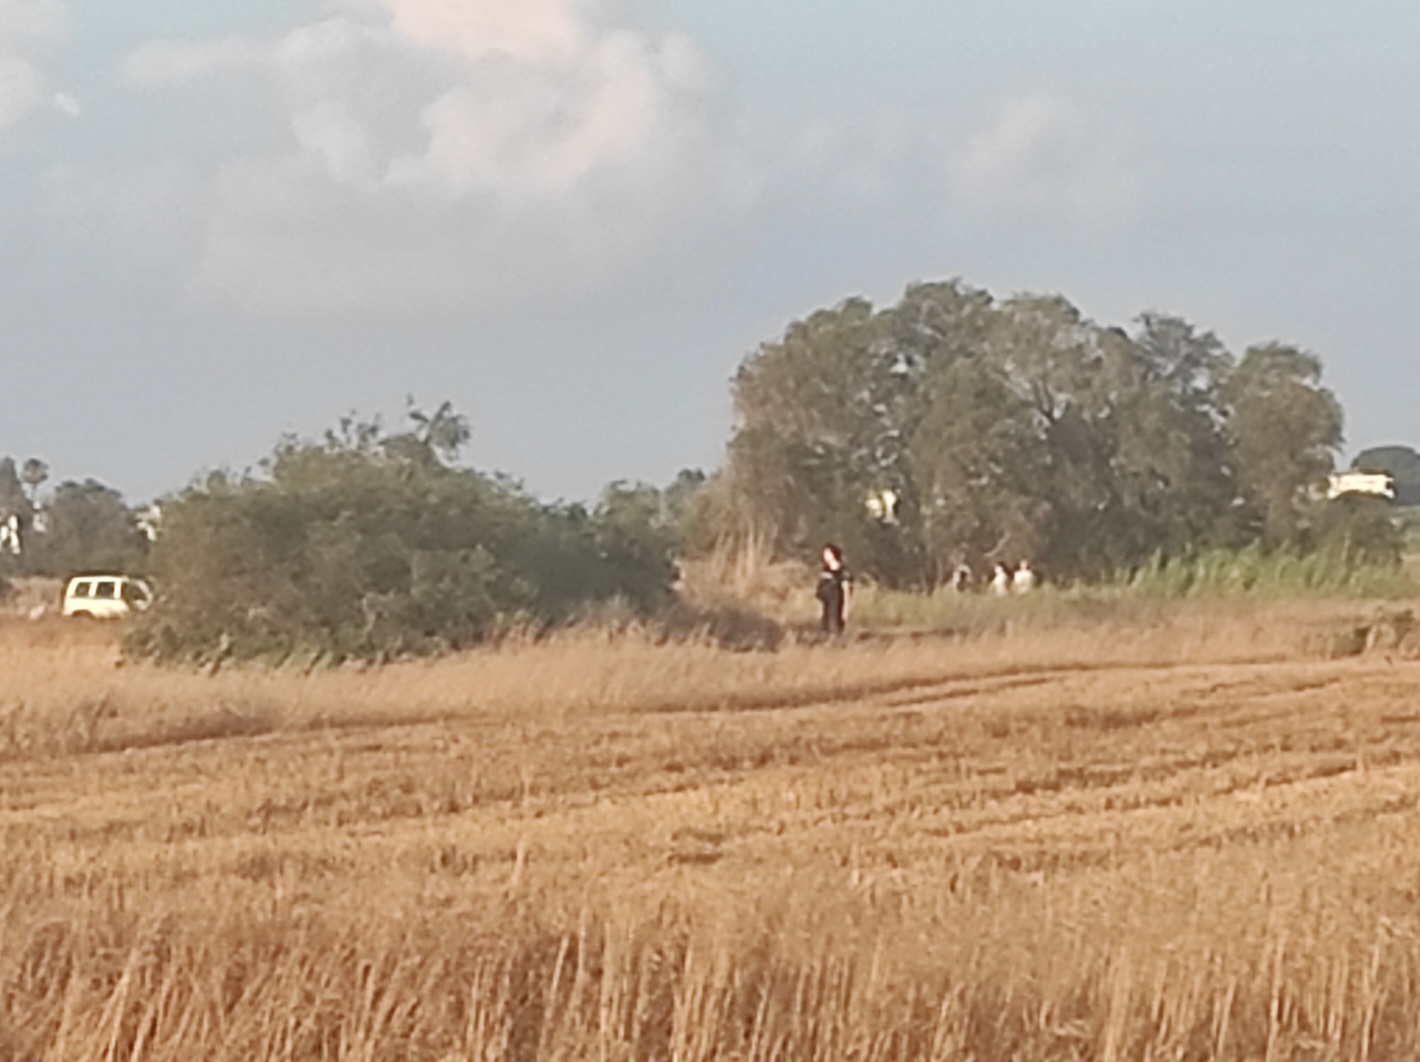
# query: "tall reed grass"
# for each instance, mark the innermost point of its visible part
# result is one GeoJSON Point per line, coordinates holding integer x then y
{"type": "Point", "coordinates": [1269, 573]}
{"type": "Point", "coordinates": [751, 580]}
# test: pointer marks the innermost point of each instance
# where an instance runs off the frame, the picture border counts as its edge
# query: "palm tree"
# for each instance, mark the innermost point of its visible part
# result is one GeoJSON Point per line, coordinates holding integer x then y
{"type": "Point", "coordinates": [33, 475]}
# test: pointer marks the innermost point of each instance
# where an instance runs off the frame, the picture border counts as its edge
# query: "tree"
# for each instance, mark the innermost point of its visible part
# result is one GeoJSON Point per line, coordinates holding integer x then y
{"type": "Point", "coordinates": [980, 467]}
{"type": "Point", "coordinates": [1190, 368]}
{"type": "Point", "coordinates": [1402, 462]}
{"type": "Point", "coordinates": [1062, 372]}
{"type": "Point", "coordinates": [13, 500]}
{"type": "Point", "coordinates": [677, 498]}
{"type": "Point", "coordinates": [1190, 364]}
{"type": "Point", "coordinates": [34, 474]}
{"type": "Point", "coordinates": [825, 416]}
{"type": "Point", "coordinates": [636, 543]}
{"type": "Point", "coordinates": [1015, 428]}
{"type": "Point", "coordinates": [816, 433]}
{"type": "Point", "coordinates": [442, 433]}
{"type": "Point", "coordinates": [1285, 428]}
{"type": "Point", "coordinates": [90, 528]}
{"type": "Point", "coordinates": [1132, 452]}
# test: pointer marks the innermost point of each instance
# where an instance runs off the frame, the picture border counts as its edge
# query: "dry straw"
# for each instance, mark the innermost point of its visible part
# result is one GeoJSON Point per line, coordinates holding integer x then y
{"type": "Point", "coordinates": [1175, 835]}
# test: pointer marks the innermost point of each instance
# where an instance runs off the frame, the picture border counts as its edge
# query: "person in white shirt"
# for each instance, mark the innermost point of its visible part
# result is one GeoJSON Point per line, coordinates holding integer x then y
{"type": "Point", "coordinates": [1025, 580]}
{"type": "Point", "coordinates": [961, 578]}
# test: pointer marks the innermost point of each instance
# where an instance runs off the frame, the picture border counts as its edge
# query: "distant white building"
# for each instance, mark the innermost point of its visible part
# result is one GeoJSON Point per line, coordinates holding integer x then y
{"type": "Point", "coordinates": [150, 522]}
{"type": "Point", "coordinates": [1375, 484]}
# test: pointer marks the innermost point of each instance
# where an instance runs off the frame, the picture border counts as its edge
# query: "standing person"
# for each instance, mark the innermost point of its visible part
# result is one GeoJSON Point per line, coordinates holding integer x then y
{"type": "Point", "coordinates": [1025, 578]}
{"type": "Point", "coordinates": [1002, 581]}
{"type": "Point", "coordinates": [961, 578]}
{"type": "Point", "coordinates": [835, 587]}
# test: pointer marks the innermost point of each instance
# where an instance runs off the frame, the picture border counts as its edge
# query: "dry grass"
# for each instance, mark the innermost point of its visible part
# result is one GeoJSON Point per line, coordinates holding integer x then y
{"type": "Point", "coordinates": [1191, 838]}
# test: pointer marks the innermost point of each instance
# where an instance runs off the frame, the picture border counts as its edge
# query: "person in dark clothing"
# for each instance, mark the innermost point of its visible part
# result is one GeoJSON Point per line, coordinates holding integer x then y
{"type": "Point", "coordinates": [834, 590]}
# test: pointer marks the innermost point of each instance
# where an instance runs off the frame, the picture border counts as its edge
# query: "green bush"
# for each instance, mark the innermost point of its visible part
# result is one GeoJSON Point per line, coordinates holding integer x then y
{"type": "Point", "coordinates": [365, 545]}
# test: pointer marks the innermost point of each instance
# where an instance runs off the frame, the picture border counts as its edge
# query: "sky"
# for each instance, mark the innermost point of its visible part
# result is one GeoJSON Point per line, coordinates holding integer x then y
{"type": "Point", "coordinates": [221, 223]}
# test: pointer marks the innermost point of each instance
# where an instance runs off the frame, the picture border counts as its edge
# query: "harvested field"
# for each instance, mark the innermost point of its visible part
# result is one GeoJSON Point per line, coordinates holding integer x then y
{"type": "Point", "coordinates": [1197, 838]}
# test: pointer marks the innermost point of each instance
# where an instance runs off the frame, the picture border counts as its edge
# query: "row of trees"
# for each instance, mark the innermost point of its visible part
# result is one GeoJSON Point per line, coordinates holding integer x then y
{"type": "Point", "coordinates": [957, 427]}
{"type": "Point", "coordinates": [80, 526]}
{"type": "Point", "coordinates": [952, 427]}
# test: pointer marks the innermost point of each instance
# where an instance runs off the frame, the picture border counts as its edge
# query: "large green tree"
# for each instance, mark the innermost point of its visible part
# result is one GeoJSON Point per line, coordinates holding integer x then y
{"type": "Point", "coordinates": [825, 418]}
{"type": "Point", "coordinates": [1012, 429]}
{"type": "Point", "coordinates": [1069, 376]}
{"type": "Point", "coordinates": [1186, 370]}
{"type": "Point", "coordinates": [1285, 427]}
{"type": "Point", "coordinates": [981, 469]}
{"type": "Point", "coordinates": [88, 527]}
{"type": "Point", "coordinates": [1127, 429]}
{"type": "Point", "coordinates": [816, 433]}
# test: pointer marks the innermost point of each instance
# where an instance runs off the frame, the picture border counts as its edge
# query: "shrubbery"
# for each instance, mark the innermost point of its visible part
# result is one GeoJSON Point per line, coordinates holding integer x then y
{"type": "Point", "coordinates": [370, 545]}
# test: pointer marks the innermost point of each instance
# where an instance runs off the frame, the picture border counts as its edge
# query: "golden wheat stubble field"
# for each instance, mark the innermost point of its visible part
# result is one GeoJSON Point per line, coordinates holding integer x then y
{"type": "Point", "coordinates": [1191, 839]}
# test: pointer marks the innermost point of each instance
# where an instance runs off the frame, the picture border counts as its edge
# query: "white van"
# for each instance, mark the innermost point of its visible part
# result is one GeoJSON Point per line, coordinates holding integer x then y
{"type": "Point", "coordinates": [106, 596]}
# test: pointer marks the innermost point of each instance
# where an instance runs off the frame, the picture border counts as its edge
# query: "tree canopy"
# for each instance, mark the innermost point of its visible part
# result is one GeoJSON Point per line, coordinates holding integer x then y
{"type": "Point", "coordinates": [88, 527]}
{"type": "Point", "coordinates": [1019, 428]}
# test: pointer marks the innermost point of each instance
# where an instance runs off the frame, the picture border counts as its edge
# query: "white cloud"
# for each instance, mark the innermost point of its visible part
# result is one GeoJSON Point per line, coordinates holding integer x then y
{"type": "Point", "coordinates": [530, 31]}
{"type": "Point", "coordinates": [164, 62]}
{"type": "Point", "coordinates": [480, 155]}
{"type": "Point", "coordinates": [453, 151]}
{"type": "Point", "coordinates": [23, 25]}
{"type": "Point", "coordinates": [1040, 155]}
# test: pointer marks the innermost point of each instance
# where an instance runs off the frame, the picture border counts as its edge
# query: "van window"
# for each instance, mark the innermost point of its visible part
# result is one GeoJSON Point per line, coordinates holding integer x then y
{"type": "Point", "coordinates": [135, 594]}
{"type": "Point", "coordinates": [83, 588]}
{"type": "Point", "coordinates": [106, 590]}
